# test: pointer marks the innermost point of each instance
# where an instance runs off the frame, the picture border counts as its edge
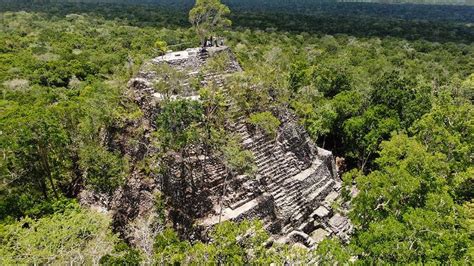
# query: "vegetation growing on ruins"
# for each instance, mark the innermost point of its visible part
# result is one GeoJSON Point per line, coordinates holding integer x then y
{"type": "Point", "coordinates": [393, 96]}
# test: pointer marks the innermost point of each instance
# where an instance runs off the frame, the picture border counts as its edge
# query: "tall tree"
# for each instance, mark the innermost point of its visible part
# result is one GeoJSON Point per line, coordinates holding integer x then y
{"type": "Point", "coordinates": [208, 17]}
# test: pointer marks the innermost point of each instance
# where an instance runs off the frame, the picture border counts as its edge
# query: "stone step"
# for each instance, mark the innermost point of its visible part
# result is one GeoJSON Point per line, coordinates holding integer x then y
{"type": "Point", "coordinates": [260, 142]}
{"type": "Point", "coordinates": [259, 149]}
{"type": "Point", "coordinates": [298, 217]}
{"type": "Point", "coordinates": [259, 156]}
{"type": "Point", "coordinates": [280, 196]}
{"type": "Point", "coordinates": [292, 185]}
{"type": "Point", "coordinates": [270, 169]}
{"type": "Point", "coordinates": [282, 193]}
{"type": "Point", "coordinates": [320, 192]}
{"type": "Point", "coordinates": [239, 127]}
{"type": "Point", "coordinates": [268, 153]}
{"type": "Point", "coordinates": [280, 177]}
{"type": "Point", "coordinates": [292, 189]}
{"type": "Point", "coordinates": [259, 153]}
{"type": "Point", "coordinates": [298, 203]}
{"type": "Point", "coordinates": [276, 191]}
{"type": "Point", "coordinates": [287, 228]}
{"type": "Point", "coordinates": [263, 160]}
{"type": "Point", "coordinates": [216, 172]}
{"type": "Point", "coordinates": [215, 181]}
{"type": "Point", "coordinates": [230, 214]}
{"type": "Point", "coordinates": [240, 203]}
{"type": "Point", "coordinates": [303, 225]}
{"type": "Point", "coordinates": [295, 191]}
{"type": "Point", "coordinates": [261, 145]}
{"type": "Point", "coordinates": [242, 131]}
{"type": "Point", "coordinates": [319, 184]}
{"type": "Point", "coordinates": [325, 192]}
{"type": "Point", "coordinates": [293, 202]}
{"type": "Point", "coordinates": [275, 167]}
{"type": "Point", "coordinates": [277, 183]}
{"type": "Point", "coordinates": [257, 138]}
{"type": "Point", "coordinates": [291, 206]}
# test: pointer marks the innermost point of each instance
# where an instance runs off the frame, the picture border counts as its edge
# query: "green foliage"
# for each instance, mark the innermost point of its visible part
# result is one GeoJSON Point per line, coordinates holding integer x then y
{"type": "Point", "coordinates": [161, 46]}
{"type": "Point", "coordinates": [103, 171]}
{"type": "Point", "coordinates": [231, 244]}
{"type": "Point", "coordinates": [266, 121]}
{"type": "Point", "coordinates": [217, 63]}
{"type": "Point", "coordinates": [298, 77]}
{"type": "Point", "coordinates": [401, 95]}
{"type": "Point", "coordinates": [241, 243]}
{"type": "Point", "coordinates": [169, 249]}
{"type": "Point", "coordinates": [248, 94]}
{"type": "Point", "coordinates": [330, 80]}
{"type": "Point", "coordinates": [122, 254]}
{"type": "Point", "coordinates": [331, 252]}
{"type": "Point", "coordinates": [160, 207]}
{"type": "Point", "coordinates": [237, 159]}
{"type": "Point", "coordinates": [448, 128]}
{"type": "Point", "coordinates": [62, 82]}
{"type": "Point", "coordinates": [179, 124]}
{"type": "Point", "coordinates": [169, 81]}
{"type": "Point", "coordinates": [404, 211]}
{"type": "Point", "coordinates": [208, 17]}
{"type": "Point", "coordinates": [462, 185]}
{"type": "Point", "coordinates": [73, 235]}
{"type": "Point", "coordinates": [392, 90]}
{"type": "Point", "coordinates": [318, 121]}
{"type": "Point", "coordinates": [429, 235]}
{"type": "Point", "coordinates": [33, 142]}
{"type": "Point", "coordinates": [407, 173]}
{"type": "Point", "coordinates": [364, 133]}
{"type": "Point", "coordinates": [17, 205]}
{"type": "Point", "coordinates": [214, 104]}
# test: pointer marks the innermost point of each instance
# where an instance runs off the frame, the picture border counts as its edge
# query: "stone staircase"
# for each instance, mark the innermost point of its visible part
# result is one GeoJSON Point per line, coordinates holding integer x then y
{"type": "Point", "coordinates": [295, 191]}
{"type": "Point", "coordinates": [297, 187]}
{"type": "Point", "coordinates": [203, 55]}
{"type": "Point", "coordinates": [238, 189]}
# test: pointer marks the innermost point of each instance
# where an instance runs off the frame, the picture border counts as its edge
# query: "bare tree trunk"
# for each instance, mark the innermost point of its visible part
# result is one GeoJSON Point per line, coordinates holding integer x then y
{"type": "Point", "coordinates": [47, 169]}
{"type": "Point", "coordinates": [74, 187]}
{"type": "Point", "coordinates": [42, 185]}
{"type": "Point", "coordinates": [224, 188]}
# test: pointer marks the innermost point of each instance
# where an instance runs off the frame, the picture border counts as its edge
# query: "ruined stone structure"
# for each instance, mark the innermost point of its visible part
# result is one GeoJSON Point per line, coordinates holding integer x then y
{"type": "Point", "coordinates": [294, 186]}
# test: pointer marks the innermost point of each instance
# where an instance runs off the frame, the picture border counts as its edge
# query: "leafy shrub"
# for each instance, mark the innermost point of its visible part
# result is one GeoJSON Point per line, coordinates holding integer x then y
{"type": "Point", "coordinates": [265, 121]}
{"type": "Point", "coordinates": [122, 255]}
{"type": "Point", "coordinates": [230, 244]}
{"type": "Point", "coordinates": [76, 235]}
{"type": "Point", "coordinates": [104, 171]}
{"type": "Point", "coordinates": [218, 63]}
{"type": "Point", "coordinates": [178, 124]}
{"type": "Point", "coordinates": [237, 159]}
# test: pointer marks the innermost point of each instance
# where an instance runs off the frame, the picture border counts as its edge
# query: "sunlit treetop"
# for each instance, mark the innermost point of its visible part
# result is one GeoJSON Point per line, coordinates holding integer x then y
{"type": "Point", "coordinates": [208, 17]}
